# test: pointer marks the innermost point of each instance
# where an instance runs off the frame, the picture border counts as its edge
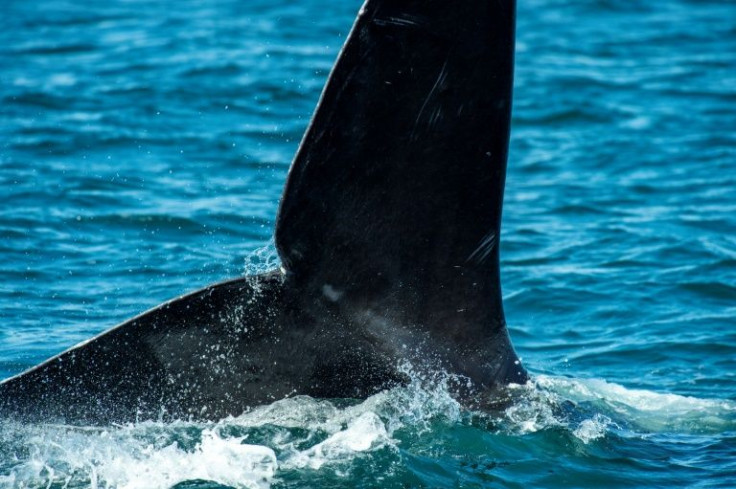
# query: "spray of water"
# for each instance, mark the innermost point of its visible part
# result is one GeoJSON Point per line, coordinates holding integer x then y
{"type": "Point", "coordinates": [258, 448]}
{"type": "Point", "coordinates": [262, 260]}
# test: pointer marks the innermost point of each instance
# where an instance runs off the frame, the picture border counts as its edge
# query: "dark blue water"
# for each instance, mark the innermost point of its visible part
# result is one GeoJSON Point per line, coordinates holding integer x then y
{"type": "Point", "coordinates": [143, 148]}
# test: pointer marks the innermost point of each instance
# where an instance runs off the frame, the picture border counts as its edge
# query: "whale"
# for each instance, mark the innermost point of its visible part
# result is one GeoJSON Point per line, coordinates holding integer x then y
{"type": "Point", "coordinates": [388, 234]}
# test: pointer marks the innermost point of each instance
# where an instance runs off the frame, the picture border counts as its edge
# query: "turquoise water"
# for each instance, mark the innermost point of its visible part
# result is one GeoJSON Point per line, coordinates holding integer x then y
{"type": "Point", "coordinates": [144, 146]}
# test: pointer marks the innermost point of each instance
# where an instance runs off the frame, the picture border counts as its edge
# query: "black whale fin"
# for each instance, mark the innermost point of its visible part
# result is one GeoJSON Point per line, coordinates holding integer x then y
{"type": "Point", "coordinates": [394, 199]}
{"type": "Point", "coordinates": [388, 233]}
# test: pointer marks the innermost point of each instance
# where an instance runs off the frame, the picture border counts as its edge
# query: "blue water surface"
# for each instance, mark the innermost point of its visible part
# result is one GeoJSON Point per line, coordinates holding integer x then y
{"type": "Point", "coordinates": [143, 150]}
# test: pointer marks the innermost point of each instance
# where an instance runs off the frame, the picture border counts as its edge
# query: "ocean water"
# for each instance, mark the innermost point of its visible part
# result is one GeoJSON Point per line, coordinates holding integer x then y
{"type": "Point", "coordinates": [143, 149]}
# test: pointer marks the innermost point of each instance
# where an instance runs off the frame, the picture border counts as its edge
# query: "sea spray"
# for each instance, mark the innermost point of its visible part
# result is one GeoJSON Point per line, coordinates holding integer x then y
{"type": "Point", "coordinates": [392, 432]}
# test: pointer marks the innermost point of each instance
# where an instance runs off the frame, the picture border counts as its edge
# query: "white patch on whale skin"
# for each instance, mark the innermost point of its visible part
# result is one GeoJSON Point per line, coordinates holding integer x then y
{"type": "Point", "coordinates": [332, 293]}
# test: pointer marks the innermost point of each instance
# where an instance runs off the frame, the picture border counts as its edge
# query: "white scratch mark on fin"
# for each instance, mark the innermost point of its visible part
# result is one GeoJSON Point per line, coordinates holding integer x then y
{"type": "Point", "coordinates": [436, 116]}
{"type": "Point", "coordinates": [484, 249]}
{"type": "Point", "coordinates": [440, 80]}
{"type": "Point", "coordinates": [396, 21]}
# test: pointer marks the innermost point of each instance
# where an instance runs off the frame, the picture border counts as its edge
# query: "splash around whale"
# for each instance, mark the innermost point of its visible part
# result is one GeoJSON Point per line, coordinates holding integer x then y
{"type": "Point", "coordinates": [388, 234]}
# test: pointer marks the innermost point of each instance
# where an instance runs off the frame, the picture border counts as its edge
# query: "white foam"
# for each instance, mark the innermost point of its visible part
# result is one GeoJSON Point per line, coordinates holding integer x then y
{"type": "Point", "coordinates": [224, 461]}
{"type": "Point", "coordinates": [312, 434]}
{"type": "Point", "coordinates": [532, 414]}
{"type": "Point", "coordinates": [293, 412]}
{"type": "Point", "coordinates": [124, 459]}
{"type": "Point", "coordinates": [362, 434]}
{"type": "Point", "coordinates": [640, 409]}
{"type": "Point", "coordinates": [642, 400]}
{"type": "Point", "coordinates": [592, 429]}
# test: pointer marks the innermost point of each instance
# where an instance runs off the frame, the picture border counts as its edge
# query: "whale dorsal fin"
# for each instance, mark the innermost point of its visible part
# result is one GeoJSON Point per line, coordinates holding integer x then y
{"type": "Point", "coordinates": [396, 191]}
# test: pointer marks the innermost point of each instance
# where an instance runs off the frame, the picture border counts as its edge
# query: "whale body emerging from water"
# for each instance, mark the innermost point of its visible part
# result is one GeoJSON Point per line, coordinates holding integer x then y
{"type": "Point", "coordinates": [388, 234]}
